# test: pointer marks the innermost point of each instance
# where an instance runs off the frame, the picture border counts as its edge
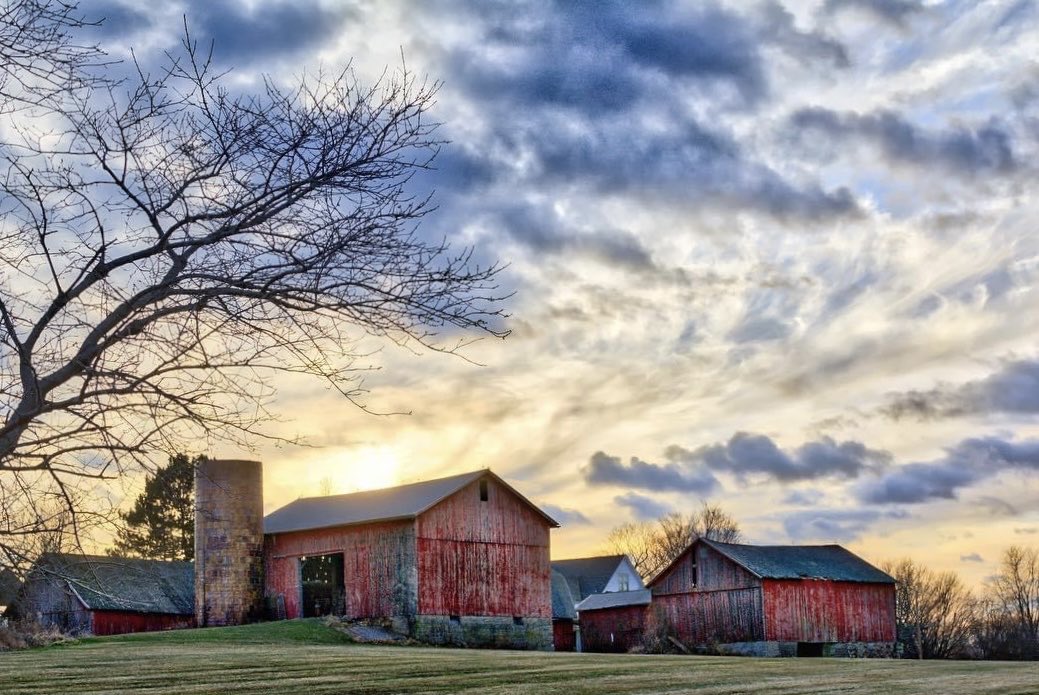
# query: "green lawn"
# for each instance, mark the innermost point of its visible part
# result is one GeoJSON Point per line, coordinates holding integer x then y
{"type": "Point", "coordinates": [303, 656]}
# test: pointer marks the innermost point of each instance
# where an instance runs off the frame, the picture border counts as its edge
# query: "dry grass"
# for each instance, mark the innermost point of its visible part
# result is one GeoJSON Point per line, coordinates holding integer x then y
{"type": "Point", "coordinates": [307, 657]}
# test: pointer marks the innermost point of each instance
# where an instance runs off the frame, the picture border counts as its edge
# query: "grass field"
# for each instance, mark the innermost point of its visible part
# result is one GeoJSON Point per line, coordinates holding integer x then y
{"type": "Point", "coordinates": [306, 657]}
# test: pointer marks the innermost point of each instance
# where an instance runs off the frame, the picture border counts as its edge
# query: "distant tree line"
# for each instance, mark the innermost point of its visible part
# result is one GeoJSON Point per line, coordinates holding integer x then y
{"type": "Point", "coordinates": [939, 617]}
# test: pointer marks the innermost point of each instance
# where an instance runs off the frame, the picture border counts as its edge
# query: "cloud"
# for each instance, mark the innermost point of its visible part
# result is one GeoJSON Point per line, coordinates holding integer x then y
{"type": "Point", "coordinates": [972, 557]}
{"type": "Point", "coordinates": [1026, 531]}
{"type": "Point", "coordinates": [986, 148]}
{"type": "Point", "coordinates": [644, 508]}
{"type": "Point", "coordinates": [804, 498]}
{"type": "Point", "coordinates": [968, 462]}
{"type": "Point", "coordinates": [603, 469]}
{"type": "Point", "coordinates": [894, 12]}
{"type": "Point", "coordinates": [833, 524]}
{"type": "Point", "coordinates": [1013, 389]}
{"type": "Point", "coordinates": [745, 454]}
{"type": "Point", "coordinates": [565, 515]}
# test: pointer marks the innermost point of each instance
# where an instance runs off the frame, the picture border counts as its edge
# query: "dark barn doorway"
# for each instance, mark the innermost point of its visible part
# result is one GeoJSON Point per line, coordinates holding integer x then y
{"type": "Point", "coordinates": [810, 648]}
{"type": "Point", "coordinates": [323, 585]}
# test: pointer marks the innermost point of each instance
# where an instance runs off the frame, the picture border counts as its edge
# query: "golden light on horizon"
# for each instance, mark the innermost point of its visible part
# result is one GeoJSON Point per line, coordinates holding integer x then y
{"type": "Point", "coordinates": [368, 468]}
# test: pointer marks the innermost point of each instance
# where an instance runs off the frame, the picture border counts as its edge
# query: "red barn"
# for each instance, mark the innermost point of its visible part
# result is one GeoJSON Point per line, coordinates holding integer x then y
{"type": "Point", "coordinates": [775, 601]}
{"type": "Point", "coordinates": [460, 560]}
{"type": "Point", "coordinates": [615, 621]}
{"type": "Point", "coordinates": [104, 595]}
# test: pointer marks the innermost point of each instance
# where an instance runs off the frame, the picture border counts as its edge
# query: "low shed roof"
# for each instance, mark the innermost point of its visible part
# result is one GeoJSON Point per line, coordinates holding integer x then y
{"type": "Point", "coordinates": [802, 562]}
{"type": "Point", "coordinates": [616, 599]}
{"type": "Point", "coordinates": [123, 584]}
{"type": "Point", "coordinates": [401, 502]}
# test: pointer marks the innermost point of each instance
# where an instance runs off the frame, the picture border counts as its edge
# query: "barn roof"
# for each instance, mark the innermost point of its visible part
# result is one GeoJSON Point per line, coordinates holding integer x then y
{"type": "Point", "coordinates": [123, 584]}
{"type": "Point", "coordinates": [562, 599]}
{"type": "Point", "coordinates": [801, 562]}
{"type": "Point", "coordinates": [401, 502]}
{"type": "Point", "coordinates": [587, 575]}
{"type": "Point", "coordinates": [616, 599]}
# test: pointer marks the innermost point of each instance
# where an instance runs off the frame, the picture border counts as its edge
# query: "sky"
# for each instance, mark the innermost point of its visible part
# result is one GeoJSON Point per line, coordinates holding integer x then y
{"type": "Point", "coordinates": [777, 256]}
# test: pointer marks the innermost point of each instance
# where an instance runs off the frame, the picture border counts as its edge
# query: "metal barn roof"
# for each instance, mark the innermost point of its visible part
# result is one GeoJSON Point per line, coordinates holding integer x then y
{"type": "Point", "coordinates": [562, 599]}
{"type": "Point", "coordinates": [587, 575]}
{"type": "Point", "coordinates": [123, 584]}
{"type": "Point", "coordinates": [401, 502]}
{"type": "Point", "coordinates": [616, 599]}
{"type": "Point", "coordinates": [802, 562]}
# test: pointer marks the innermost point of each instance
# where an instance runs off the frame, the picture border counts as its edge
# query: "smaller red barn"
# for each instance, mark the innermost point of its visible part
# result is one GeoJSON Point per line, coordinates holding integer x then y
{"type": "Point", "coordinates": [104, 595]}
{"type": "Point", "coordinates": [776, 600]}
{"type": "Point", "coordinates": [614, 621]}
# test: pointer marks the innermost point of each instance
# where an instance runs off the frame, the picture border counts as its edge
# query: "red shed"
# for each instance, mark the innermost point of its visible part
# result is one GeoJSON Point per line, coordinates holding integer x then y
{"type": "Point", "coordinates": [459, 560]}
{"type": "Point", "coordinates": [776, 600]}
{"type": "Point", "coordinates": [614, 621]}
{"type": "Point", "coordinates": [105, 595]}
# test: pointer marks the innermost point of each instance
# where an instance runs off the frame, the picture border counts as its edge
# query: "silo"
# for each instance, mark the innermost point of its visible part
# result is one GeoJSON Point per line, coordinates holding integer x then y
{"type": "Point", "coordinates": [228, 542]}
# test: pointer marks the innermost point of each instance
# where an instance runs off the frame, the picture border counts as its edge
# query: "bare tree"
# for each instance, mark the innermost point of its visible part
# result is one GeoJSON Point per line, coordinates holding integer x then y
{"type": "Point", "coordinates": [653, 545]}
{"type": "Point", "coordinates": [1016, 589]}
{"type": "Point", "coordinates": [168, 244]}
{"type": "Point", "coordinates": [935, 611]}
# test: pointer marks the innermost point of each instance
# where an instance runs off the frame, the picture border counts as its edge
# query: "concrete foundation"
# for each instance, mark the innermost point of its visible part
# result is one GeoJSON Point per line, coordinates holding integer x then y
{"type": "Point", "coordinates": [483, 631]}
{"type": "Point", "coordinates": [861, 650]}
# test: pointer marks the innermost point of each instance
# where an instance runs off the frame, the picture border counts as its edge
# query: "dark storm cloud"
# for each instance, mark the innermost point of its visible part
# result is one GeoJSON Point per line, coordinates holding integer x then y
{"type": "Point", "coordinates": [644, 508]}
{"type": "Point", "coordinates": [745, 454]}
{"type": "Point", "coordinates": [969, 462]}
{"type": "Point", "coordinates": [242, 32]}
{"type": "Point", "coordinates": [566, 516]}
{"type": "Point", "coordinates": [574, 95]}
{"type": "Point", "coordinates": [777, 24]}
{"type": "Point", "coordinates": [987, 148]}
{"type": "Point", "coordinates": [1014, 389]}
{"type": "Point", "coordinates": [538, 228]}
{"type": "Point", "coordinates": [895, 12]}
{"type": "Point", "coordinates": [833, 524]}
{"type": "Point", "coordinates": [603, 469]}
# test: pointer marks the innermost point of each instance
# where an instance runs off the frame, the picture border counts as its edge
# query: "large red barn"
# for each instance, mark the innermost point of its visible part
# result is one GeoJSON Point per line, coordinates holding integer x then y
{"type": "Point", "coordinates": [458, 560]}
{"type": "Point", "coordinates": [775, 600]}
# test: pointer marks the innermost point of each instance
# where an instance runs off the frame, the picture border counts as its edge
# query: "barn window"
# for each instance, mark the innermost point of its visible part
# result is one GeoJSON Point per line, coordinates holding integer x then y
{"type": "Point", "coordinates": [322, 582]}
{"type": "Point", "coordinates": [694, 575]}
{"type": "Point", "coordinates": [517, 620]}
{"type": "Point", "coordinates": [483, 490]}
{"type": "Point", "coordinates": [622, 582]}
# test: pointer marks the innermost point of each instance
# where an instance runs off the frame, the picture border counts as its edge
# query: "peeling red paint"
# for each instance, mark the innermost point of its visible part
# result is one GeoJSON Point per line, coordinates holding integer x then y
{"type": "Point", "coordinates": [613, 629]}
{"type": "Point", "coordinates": [809, 610]}
{"type": "Point", "coordinates": [121, 622]}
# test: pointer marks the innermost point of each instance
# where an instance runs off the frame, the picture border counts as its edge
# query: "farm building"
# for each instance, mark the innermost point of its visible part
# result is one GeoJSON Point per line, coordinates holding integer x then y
{"type": "Point", "coordinates": [564, 616]}
{"type": "Point", "coordinates": [596, 575]}
{"type": "Point", "coordinates": [775, 601]}
{"type": "Point", "coordinates": [108, 595]}
{"type": "Point", "coordinates": [459, 560]}
{"type": "Point", "coordinates": [613, 622]}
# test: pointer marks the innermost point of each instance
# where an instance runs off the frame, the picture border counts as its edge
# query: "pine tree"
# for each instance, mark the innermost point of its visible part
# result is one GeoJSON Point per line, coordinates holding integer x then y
{"type": "Point", "coordinates": [161, 524]}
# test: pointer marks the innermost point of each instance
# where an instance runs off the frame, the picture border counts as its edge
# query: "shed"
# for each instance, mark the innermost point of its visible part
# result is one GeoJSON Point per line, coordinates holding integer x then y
{"type": "Point", "coordinates": [105, 595]}
{"type": "Point", "coordinates": [460, 560]}
{"type": "Point", "coordinates": [775, 600]}
{"type": "Point", "coordinates": [613, 621]}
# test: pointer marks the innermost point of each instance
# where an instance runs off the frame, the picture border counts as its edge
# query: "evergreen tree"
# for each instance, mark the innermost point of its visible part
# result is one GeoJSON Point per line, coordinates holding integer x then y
{"type": "Point", "coordinates": [161, 524]}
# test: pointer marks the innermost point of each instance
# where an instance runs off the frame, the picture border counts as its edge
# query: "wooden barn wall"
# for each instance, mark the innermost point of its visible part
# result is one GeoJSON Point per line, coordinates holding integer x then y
{"type": "Point", "coordinates": [714, 571]}
{"type": "Point", "coordinates": [613, 629]}
{"type": "Point", "coordinates": [378, 566]}
{"type": "Point", "coordinates": [826, 611]}
{"type": "Point", "coordinates": [121, 622]}
{"type": "Point", "coordinates": [483, 558]}
{"type": "Point", "coordinates": [709, 617]}
{"type": "Point", "coordinates": [49, 601]}
{"type": "Point", "coordinates": [563, 637]}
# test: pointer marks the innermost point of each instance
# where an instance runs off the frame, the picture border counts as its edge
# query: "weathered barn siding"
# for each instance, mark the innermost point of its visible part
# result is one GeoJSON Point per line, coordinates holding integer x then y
{"type": "Point", "coordinates": [709, 617]}
{"type": "Point", "coordinates": [826, 611]}
{"type": "Point", "coordinates": [378, 564]}
{"type": "Point", "coordinates": [713, 570]}
{"type": "Point", "coordinates": [483, 558]}
{"type": "Point", "coordinates": [122, 622]}
{"type": "Point", "coordinates": [52, 604]}
{"type": "Point", "coordinates": [564, 639]}
{"type": "Point", "coordinates": [617, 629]}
